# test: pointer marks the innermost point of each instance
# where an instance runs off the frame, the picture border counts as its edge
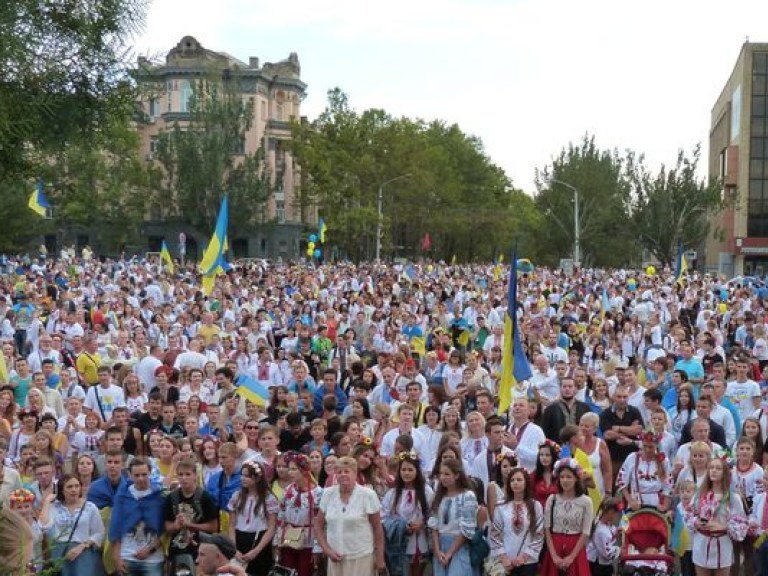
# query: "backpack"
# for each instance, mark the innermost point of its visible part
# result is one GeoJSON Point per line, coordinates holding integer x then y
{"type": "Point", "coordinates": [478, 548]}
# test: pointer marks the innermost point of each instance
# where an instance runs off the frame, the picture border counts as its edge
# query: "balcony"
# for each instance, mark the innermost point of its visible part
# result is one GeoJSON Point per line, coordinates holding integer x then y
{"type": "Point", "coordinates": [278, 125]}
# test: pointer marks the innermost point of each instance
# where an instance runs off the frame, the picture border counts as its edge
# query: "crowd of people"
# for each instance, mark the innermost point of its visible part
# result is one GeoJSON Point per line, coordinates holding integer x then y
{"type": "Point", "coordinates": [387, 441]}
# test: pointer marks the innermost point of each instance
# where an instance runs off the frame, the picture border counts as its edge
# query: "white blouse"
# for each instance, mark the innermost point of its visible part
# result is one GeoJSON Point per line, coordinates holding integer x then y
{"type": "Point", "coordinates": [62, 521]}
{"type": "Point", "coordinates": [249, 519]}
{"type": "Point", "coordinates": [347, 526]}
{"type": "Point", "coordinates": [511, 534]}
{"type": "Point", "coordinates": [409, 510]}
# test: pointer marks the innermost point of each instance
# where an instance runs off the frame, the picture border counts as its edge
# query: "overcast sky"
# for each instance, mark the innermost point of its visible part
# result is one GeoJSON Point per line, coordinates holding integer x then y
{"type": "Point", "coordinates": [526, 76]}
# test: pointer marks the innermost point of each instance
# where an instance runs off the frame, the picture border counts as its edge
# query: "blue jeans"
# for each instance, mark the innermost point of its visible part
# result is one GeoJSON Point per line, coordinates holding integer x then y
{"type": "Point", "coordinates": [136, 568]}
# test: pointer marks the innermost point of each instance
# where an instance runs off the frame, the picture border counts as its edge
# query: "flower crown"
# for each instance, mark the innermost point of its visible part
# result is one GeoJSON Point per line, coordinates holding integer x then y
{"type": "Point", "coordinates": [725, 456]}
{"type": "Point", "coordinates": [410, 456]}
{"type": "Point", "coordinates": [254, 467]}
{"type": "Point", "coordinates": [552, 444]}
{"type": "Point", "coordinates": [300, 460]}
{"type": "Point", "coordinates": [510, 457]}
{"type": "Point", "coordinates": [369, 443]}
{"type": "Point", "coordinates": [569, 464]}
{"type": "Point", "coordinates": [650, 435]}
{"type": "Point", "coordinates": [21, 496]}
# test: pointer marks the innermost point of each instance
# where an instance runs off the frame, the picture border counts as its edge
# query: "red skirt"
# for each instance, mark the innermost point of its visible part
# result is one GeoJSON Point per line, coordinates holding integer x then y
{"type": "Point", "coordinates": [564, 545]}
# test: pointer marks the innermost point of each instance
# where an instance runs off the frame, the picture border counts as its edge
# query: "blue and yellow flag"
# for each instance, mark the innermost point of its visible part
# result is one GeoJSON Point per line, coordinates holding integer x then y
{"type": "Point", "coordinates": [214, 262]}
{"type": "Point", "coordinates": [681, 537]}
{"type": "Point", "coordinates": [252, 390]}
{"type": "Point", "coordinates": [166, 257]}
{"type": "Point", "coordinates": [681, 266]}
{"type": "Point", "coordinates": [321, 228]}
{"type": "Point", "coordinates": [37, 200]}
{"type": "Point", "coordinates": [515, 366]}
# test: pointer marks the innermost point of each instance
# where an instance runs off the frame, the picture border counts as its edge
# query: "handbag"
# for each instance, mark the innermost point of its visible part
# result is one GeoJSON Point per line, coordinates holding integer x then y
{"type": "Point", "coordinates": [278, 570]}
{"type": "Point", "coordinates": [295, 537]}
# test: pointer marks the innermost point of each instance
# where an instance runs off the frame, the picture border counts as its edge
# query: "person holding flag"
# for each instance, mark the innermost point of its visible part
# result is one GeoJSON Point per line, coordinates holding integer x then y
{"type": "Point", "coordinates": [165, 255]}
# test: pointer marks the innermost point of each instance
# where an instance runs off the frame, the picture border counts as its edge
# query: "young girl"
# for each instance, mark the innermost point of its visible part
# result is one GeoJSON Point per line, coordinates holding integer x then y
{"type": "Point", "coordinates": [517, 528]}
{"type": "Point", "coordinates": [716, 520]}
{"type": "Point", "coordinates": [88, 441]}
{"type": "Point", "coordinates": [368, 472]}
{"type": "Point", "coordinates": [135, 398]}
{"type": "Point", "coordinates": [209, 460]}
{"type": "Point", "coordinates": [751, 429]}
{"type": "Point", "coordinates": [315, 458]}
{"type": "Point", "coordinates": [747, 481]}
{"type": "Point", "coordinates": [680, 415]}
{"type": "Point", "coordinates": [409, 501]}
{"type": "Point", "coordinates": [495, 494]}
{"type": "Point", "coordinates": [602, 549]}
{"type": "Point", "coordinates": [544, 484]}
{"type": "Point", "coordinates": [685, 490]}
{"type": "Point", "coordinates": [22, 501]}
{"type": "Point", "coordinates": [567, 523]}
{"type": "Point", "coordinates": [86, 471]}
{"type": "Point", "coordinates": [254, 518]}
{"type": "Point", "coordinates": [453, 521]}
{"type": "Point", "coordinates": [24, 465]}
{"type": "Point", "coordinates": [282, 479]}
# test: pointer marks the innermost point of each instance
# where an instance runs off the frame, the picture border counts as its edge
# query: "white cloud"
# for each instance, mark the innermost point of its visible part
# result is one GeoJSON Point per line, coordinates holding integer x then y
{"type": "Point", "coordinates": [527, 76]}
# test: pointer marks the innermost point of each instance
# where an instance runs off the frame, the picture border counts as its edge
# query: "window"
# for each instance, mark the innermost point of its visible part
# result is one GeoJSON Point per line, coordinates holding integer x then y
{"type": "Point", "coordinates": [185, 94]}
{"type": "Point", "coordinates": [279, 112]}
{"type": "Point", "coordinates": [280, 212]}
{"type": "Point", "coordinates": [154, 108]}
{"type": "Point", "coordinates": [263, 110]}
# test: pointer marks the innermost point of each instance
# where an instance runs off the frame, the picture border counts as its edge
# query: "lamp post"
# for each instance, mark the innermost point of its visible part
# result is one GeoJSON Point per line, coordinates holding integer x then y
{"type": "Point", "coordinates": [380, 217]}
{"type": "Point", "coordinates": [576, 223]}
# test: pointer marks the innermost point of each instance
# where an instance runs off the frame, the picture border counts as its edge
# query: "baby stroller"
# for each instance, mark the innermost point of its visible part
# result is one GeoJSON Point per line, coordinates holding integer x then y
{"type": "Point", "coordinates": [644, 530]}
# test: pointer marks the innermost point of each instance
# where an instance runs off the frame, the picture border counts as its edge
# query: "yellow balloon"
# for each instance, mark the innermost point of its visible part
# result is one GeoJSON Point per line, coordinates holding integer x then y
{"type": "Point", "coordinates": [311, 246]}
{"type": "Point", "coordinates": [651, 270]}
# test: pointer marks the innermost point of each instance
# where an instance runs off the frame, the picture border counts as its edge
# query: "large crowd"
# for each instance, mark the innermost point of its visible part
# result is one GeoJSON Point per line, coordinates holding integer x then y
{"type": "Point", "coordinates": [386, 442]}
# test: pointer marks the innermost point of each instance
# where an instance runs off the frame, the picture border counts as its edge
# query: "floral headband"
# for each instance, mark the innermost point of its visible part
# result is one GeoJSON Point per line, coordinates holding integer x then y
{"type": "Point", "coordinates": [300, 460]}
{"type": "Point", "coordinates": [254, 467]}
{"type": "Point", "coordinates": [411, 456]}
{"type": "Point", "coordinates": [510, 457]}
{"type": "Point", "coordinates": [21, 496]}
{"type": "Point", "coordinates": [552, 444]}
{"type": "Point", "coordinates": [725, 456]}
{"type": "Point", "coordinates": [650, 435]}
{"type": "Point", "coordinates": [569, 464]}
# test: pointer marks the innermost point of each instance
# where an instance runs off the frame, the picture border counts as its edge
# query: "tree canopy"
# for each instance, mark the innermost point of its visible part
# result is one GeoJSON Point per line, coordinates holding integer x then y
{"type": "Point", "coordinates": [434, 179]}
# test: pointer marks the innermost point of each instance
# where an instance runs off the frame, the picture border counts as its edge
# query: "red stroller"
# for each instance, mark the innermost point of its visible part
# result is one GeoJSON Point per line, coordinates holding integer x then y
{"type": "Point", "coordinates": [646, 530]}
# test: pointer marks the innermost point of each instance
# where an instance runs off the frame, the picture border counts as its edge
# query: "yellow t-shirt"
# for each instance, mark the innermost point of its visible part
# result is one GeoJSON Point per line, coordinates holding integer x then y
{"type": "Point", "coordinates": [88, 366]}
{"type": "Point", "coordinates": [208, 332]}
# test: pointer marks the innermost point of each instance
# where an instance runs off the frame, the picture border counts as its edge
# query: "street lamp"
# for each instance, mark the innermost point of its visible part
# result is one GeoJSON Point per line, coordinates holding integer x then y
{"type": "Point", "coordinates": [576, 226]}
{"type": "Point", "coordinates": [380, 200]}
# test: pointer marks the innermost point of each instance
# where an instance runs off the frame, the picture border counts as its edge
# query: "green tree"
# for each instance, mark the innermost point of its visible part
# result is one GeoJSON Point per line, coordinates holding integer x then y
{"type": "Point", "coordinates": [63, 79]}
{"type": "Point", "coordinates": [675, 207]}
{"type": "Point", "coordinates": [603, 180]}
{"type": "Point", "coordinates": [204, 156]}
{"type": "Point", "coordinates": [445, 185]}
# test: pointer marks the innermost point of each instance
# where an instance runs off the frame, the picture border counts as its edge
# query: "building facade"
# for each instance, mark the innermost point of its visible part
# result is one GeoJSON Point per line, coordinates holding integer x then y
{"type": "Point", "coordinates": [738, 156]}
{"type": "Point", "coordinates": [275, 91]}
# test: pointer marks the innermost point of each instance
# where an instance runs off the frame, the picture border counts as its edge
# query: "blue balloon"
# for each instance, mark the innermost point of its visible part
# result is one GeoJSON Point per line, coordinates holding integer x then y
{"type": "Point", "coordinates": [318, 252]}
{"type": "Point", "coordinates": [313, 237]}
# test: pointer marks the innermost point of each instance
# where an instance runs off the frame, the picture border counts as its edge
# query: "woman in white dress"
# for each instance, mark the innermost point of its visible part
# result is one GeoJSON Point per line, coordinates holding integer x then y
{"type": "Point", "coordinates": [716, 519]}
{"type": "Point", "coordinates": [516, 536]}
{"type": "Point", "coordinates": [645, 476]}
{"type": "Point", "coordinates": [409, 501]}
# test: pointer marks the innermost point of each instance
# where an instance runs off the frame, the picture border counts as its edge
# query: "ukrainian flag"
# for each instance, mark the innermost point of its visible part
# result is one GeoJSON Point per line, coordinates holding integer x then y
{"type": "Point", "coordinates": [252, 390]}
{"type": "Point", "coordinates": [166, 257]}
{"type": "Point", "coordinates": [214, 262]}
{"type": "Point", "coordinates": [515, 365]}
{"type": "Point", "coordinates": [38, 202]}
{"type": "Point", "coordinates": [321, 228]}
{"type": "Point", "coordinates": [681, 266]}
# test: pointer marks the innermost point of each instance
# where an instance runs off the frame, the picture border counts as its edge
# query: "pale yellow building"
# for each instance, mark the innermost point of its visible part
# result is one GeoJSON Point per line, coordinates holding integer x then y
{"type": "Point", "coordinates": [276, 92]}
{"type": "Point", "coordinates": [738, 155]}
